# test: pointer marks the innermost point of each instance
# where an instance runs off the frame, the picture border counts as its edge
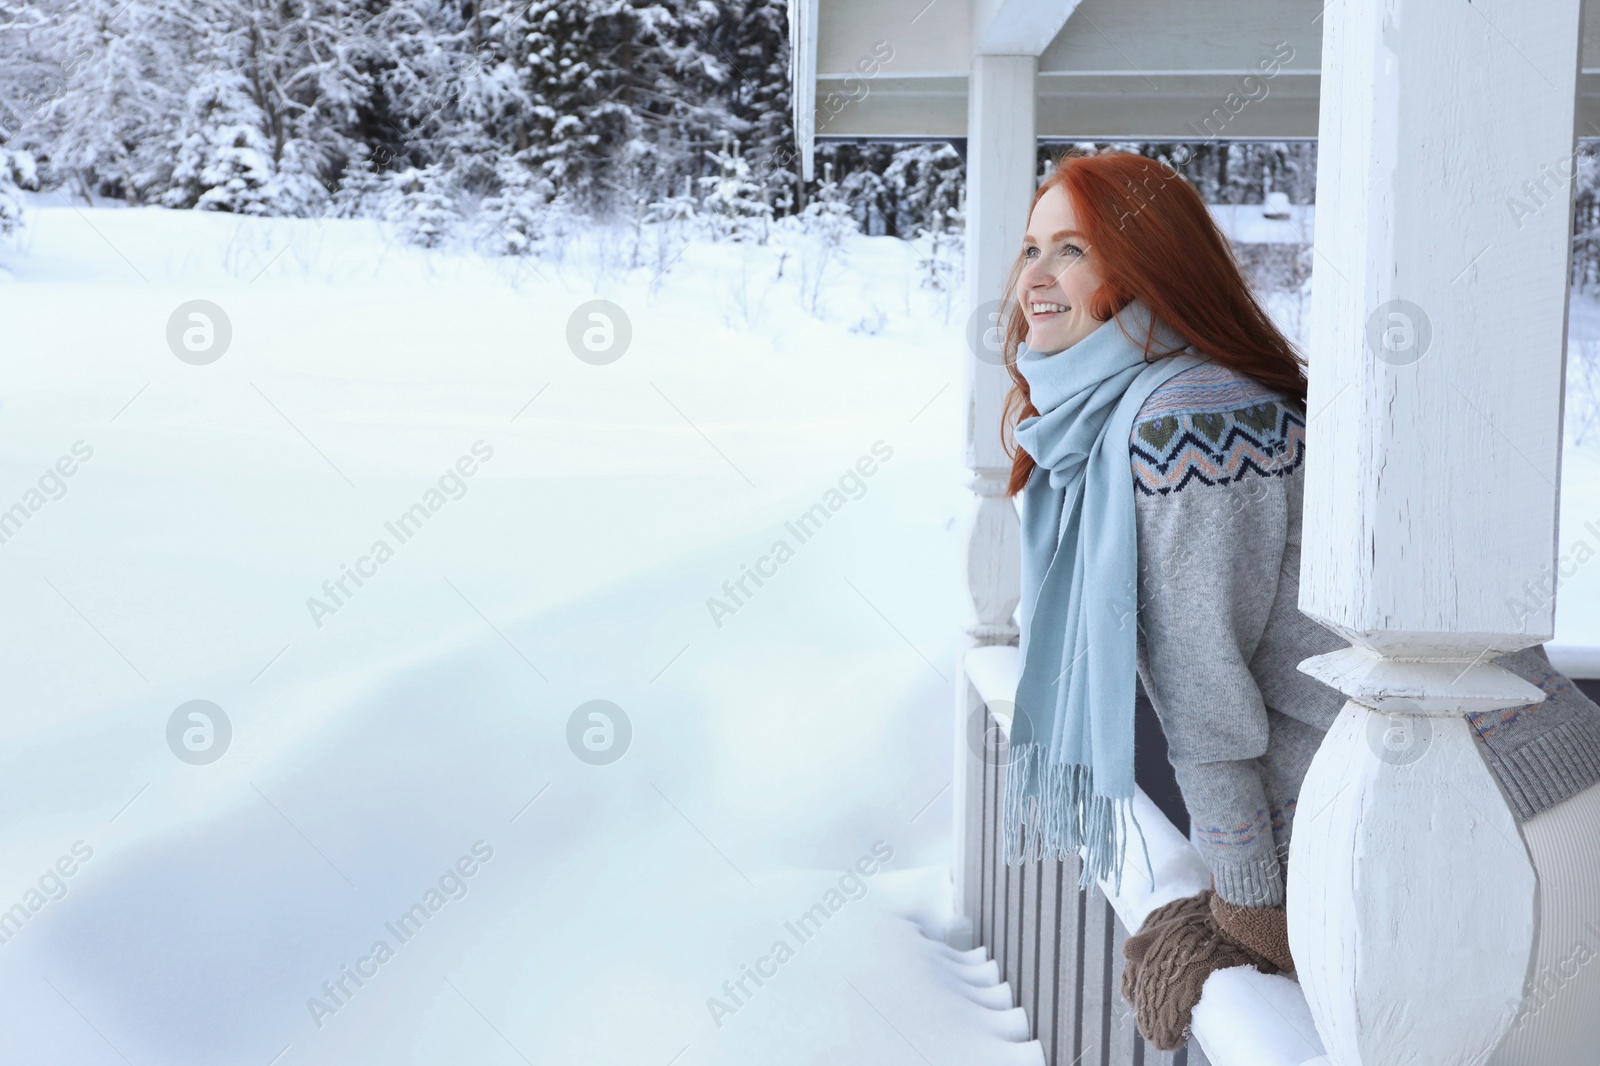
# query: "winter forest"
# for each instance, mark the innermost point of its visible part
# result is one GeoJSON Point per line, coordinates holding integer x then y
{"type": "Point", "coordinates": [495, 123]}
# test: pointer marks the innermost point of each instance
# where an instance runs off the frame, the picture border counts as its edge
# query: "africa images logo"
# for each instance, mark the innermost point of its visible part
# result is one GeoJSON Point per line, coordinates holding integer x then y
{"type": "Point", "coordinates": [852, 485]}
{"type": "Point", "coordinates": [852, 885]}
{"type": "Point", "coordinates": [451, 886]}
{"type": "Point", "coordinates": [452, 485]}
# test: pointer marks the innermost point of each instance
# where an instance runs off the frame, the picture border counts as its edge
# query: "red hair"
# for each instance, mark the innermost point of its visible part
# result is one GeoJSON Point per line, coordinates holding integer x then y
{"type": "Point", "coordinates": [1156, 242]}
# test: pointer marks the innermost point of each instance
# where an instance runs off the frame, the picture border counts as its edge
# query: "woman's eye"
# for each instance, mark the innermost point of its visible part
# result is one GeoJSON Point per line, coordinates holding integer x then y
{"type": "Point", "coordinates": [1071, 249]}
{"type": "Point", "coordinates": [1029, 252]}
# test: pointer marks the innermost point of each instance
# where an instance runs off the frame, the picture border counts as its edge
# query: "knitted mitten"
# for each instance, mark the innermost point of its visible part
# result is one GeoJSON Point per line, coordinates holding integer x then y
{"type": "Point", "coordinates": [1264, 930]}
{"type": "Point", "coordinates": [1168, 960]}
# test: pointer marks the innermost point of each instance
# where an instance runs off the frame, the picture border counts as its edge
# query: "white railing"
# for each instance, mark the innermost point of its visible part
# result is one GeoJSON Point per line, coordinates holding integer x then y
{"type": "Point", "coordinates": [1244, 1018]}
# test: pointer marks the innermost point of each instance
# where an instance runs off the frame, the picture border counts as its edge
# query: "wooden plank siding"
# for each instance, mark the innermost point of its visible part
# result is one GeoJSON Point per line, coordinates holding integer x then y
{"type": "Point", "coordinates": [1059, 948]}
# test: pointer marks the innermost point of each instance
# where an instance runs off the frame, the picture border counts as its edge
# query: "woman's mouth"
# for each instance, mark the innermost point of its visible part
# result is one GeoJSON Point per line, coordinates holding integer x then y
{"type": "Point", "coordinates": [1041, 311]}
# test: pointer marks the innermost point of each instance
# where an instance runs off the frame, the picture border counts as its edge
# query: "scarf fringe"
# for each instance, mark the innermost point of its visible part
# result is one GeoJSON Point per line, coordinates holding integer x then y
{"type": "Point", "coordinates": [1063, 816]}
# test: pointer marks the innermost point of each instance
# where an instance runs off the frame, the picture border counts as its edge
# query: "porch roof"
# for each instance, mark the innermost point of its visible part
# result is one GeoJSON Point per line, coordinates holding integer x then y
{"type": "Point", "coordinates": [1107, 69]}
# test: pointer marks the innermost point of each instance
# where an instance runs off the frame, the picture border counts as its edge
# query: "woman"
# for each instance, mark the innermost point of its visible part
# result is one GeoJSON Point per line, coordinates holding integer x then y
{"type": "Point", "coordinates": [1128, 321]}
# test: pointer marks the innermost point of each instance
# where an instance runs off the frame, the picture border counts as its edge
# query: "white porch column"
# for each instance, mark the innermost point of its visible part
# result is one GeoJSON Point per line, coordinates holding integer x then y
{"type": "Point", "coordinates": [1437, 332]}
{"type": "Point", "coordinates": [1000, 187]}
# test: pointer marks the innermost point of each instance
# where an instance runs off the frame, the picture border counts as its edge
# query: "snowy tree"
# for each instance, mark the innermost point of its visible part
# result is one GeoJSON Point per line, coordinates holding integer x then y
{"type": "Point", "coordinates": [1585, 169]}
{"type": "Point", "coordinates": [31, 77]}
{"type": "Point", "coordinates": [422, 206]}
{"type": "Point", "coordinates": [17, 172]}
{"type": "Point", "coordinates": [755, 38]}
{"type": "Point", "coordinates": [828, 217]}
{"type": "Point", "coordinates": [445, 86]}
{"type": "Point", "coordinates": [512, 221]}
{"type": "Point", "coordinates": [733, 204]}
{"type": "Point", "coordinates": [223, 159]}
{"type": "Point", "coordinates": [923, 185]}
{"type": "Point", "coordinates": [104, 92]}
{"type": "Point", "coordinates": [1241, 172]}
{"type": "Point", "coordinates": [298, 65]}
{"type": "Point", "coordinates": [567, 89]}
{"type": "Point", "coordinates": [870, 198]}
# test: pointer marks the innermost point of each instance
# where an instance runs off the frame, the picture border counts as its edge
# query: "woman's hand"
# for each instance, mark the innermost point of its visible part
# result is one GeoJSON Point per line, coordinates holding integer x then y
{"type": "Point", "coordinates": [1182, 943]}
{"type": "Point", "coordinates": [1264, 930]}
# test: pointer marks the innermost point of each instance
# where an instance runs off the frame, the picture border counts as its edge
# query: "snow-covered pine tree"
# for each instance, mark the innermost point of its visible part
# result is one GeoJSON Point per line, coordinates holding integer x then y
{"type": "Point", "coordinates": [268, 120]}
{"type": "Point", "coordinates": [422, 206]}
{"type": "Point", "coordinates": [922, 186]}
{"type": "Point", "coordinates": [870, 197]}
{"type": "Point", "coordinates": [450, 87]}
{"type": "Point", "coordinates": [558, 60]}
{"type": "Point", "coordinates": [733, 207]}
{"type": "Point", "coordinates": [630, 94]}
{"type": "Point", "coordinates": [513, 220]}
{"type": "Point", "coordinates": [1586, 219]}
{"type": "Point", "coordinates": [223, 161]}
{"type": "Point", "coordinates": [829, 216]}
{"type": "Point", "coordinates": [750, 44]}
{"type": "Point", "coordinates": [1235, 172]}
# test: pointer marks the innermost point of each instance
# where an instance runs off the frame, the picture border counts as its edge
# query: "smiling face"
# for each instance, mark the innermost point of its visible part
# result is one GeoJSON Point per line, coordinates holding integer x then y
{"type": "Point", "coordinates": [1059, 276]}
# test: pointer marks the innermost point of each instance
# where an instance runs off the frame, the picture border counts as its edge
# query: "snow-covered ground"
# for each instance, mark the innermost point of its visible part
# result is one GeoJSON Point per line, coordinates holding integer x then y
{"type": "Point", "coordinates": [369, 753]}
{"type": "Point", "coordinates": [790, 748]}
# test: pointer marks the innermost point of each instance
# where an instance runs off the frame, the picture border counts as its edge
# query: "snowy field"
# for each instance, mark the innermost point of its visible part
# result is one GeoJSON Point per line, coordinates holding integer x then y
{"type": "Point", "coordinates": [406, 744]}
{"type": "Point", "coordinates": [376, 745]}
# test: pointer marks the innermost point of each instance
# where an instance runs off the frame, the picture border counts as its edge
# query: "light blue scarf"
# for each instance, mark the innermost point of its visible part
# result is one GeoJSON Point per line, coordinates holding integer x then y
{"type": "Point", "coordinates": [1069, 782]}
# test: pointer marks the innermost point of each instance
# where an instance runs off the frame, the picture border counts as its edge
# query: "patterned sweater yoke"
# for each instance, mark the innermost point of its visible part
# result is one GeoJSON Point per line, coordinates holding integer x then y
{"type": "Point", "coordinates": [1218, 466]}
{"type": "Point", "coordinates": [1213, 425]}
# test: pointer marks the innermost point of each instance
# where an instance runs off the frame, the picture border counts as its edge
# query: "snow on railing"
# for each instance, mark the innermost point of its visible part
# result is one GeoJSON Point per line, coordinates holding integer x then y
{"type": "Point", "coordinates": [1577, 661]}
{"type": "Point", "coordinates": [1244, 1017]}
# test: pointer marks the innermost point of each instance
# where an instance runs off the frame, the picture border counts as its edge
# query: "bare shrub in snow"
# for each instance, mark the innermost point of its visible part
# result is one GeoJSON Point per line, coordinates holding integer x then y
{"type": "Point", "coordinates": [670, 223]}
{"type": "Point", "coordinates": [822, 230]}
{"type": "Point", "coordinates": [738, 309]}
{"type": "Point", "coordinates": [871, 323]}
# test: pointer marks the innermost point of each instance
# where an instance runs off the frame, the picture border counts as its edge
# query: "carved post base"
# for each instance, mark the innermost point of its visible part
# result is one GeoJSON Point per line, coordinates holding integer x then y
{"type": "Point", "coordinates": [1412, 897]}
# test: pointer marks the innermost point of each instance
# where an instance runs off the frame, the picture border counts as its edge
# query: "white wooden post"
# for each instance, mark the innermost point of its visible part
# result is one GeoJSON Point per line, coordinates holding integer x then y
{"type": "Point", "coordinates": [1000, 186]}
{"type": "Point", "coordinates": [1436, 357]}
{"type": "Point", "coordinates": [803, 82]}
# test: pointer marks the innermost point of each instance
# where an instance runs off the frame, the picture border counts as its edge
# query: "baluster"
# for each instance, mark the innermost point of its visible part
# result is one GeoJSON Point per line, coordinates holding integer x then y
{"type": "Point", "coordinates": [1048, 962]}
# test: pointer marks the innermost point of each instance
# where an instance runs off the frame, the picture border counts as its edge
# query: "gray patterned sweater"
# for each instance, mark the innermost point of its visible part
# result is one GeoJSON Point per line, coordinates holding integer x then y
{"type": "Point", "coordinates": [1219, 475]}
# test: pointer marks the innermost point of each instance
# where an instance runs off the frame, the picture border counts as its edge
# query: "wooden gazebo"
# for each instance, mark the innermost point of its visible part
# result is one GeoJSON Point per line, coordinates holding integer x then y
{"type": "Point", "coordinates": [1431, 486]}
